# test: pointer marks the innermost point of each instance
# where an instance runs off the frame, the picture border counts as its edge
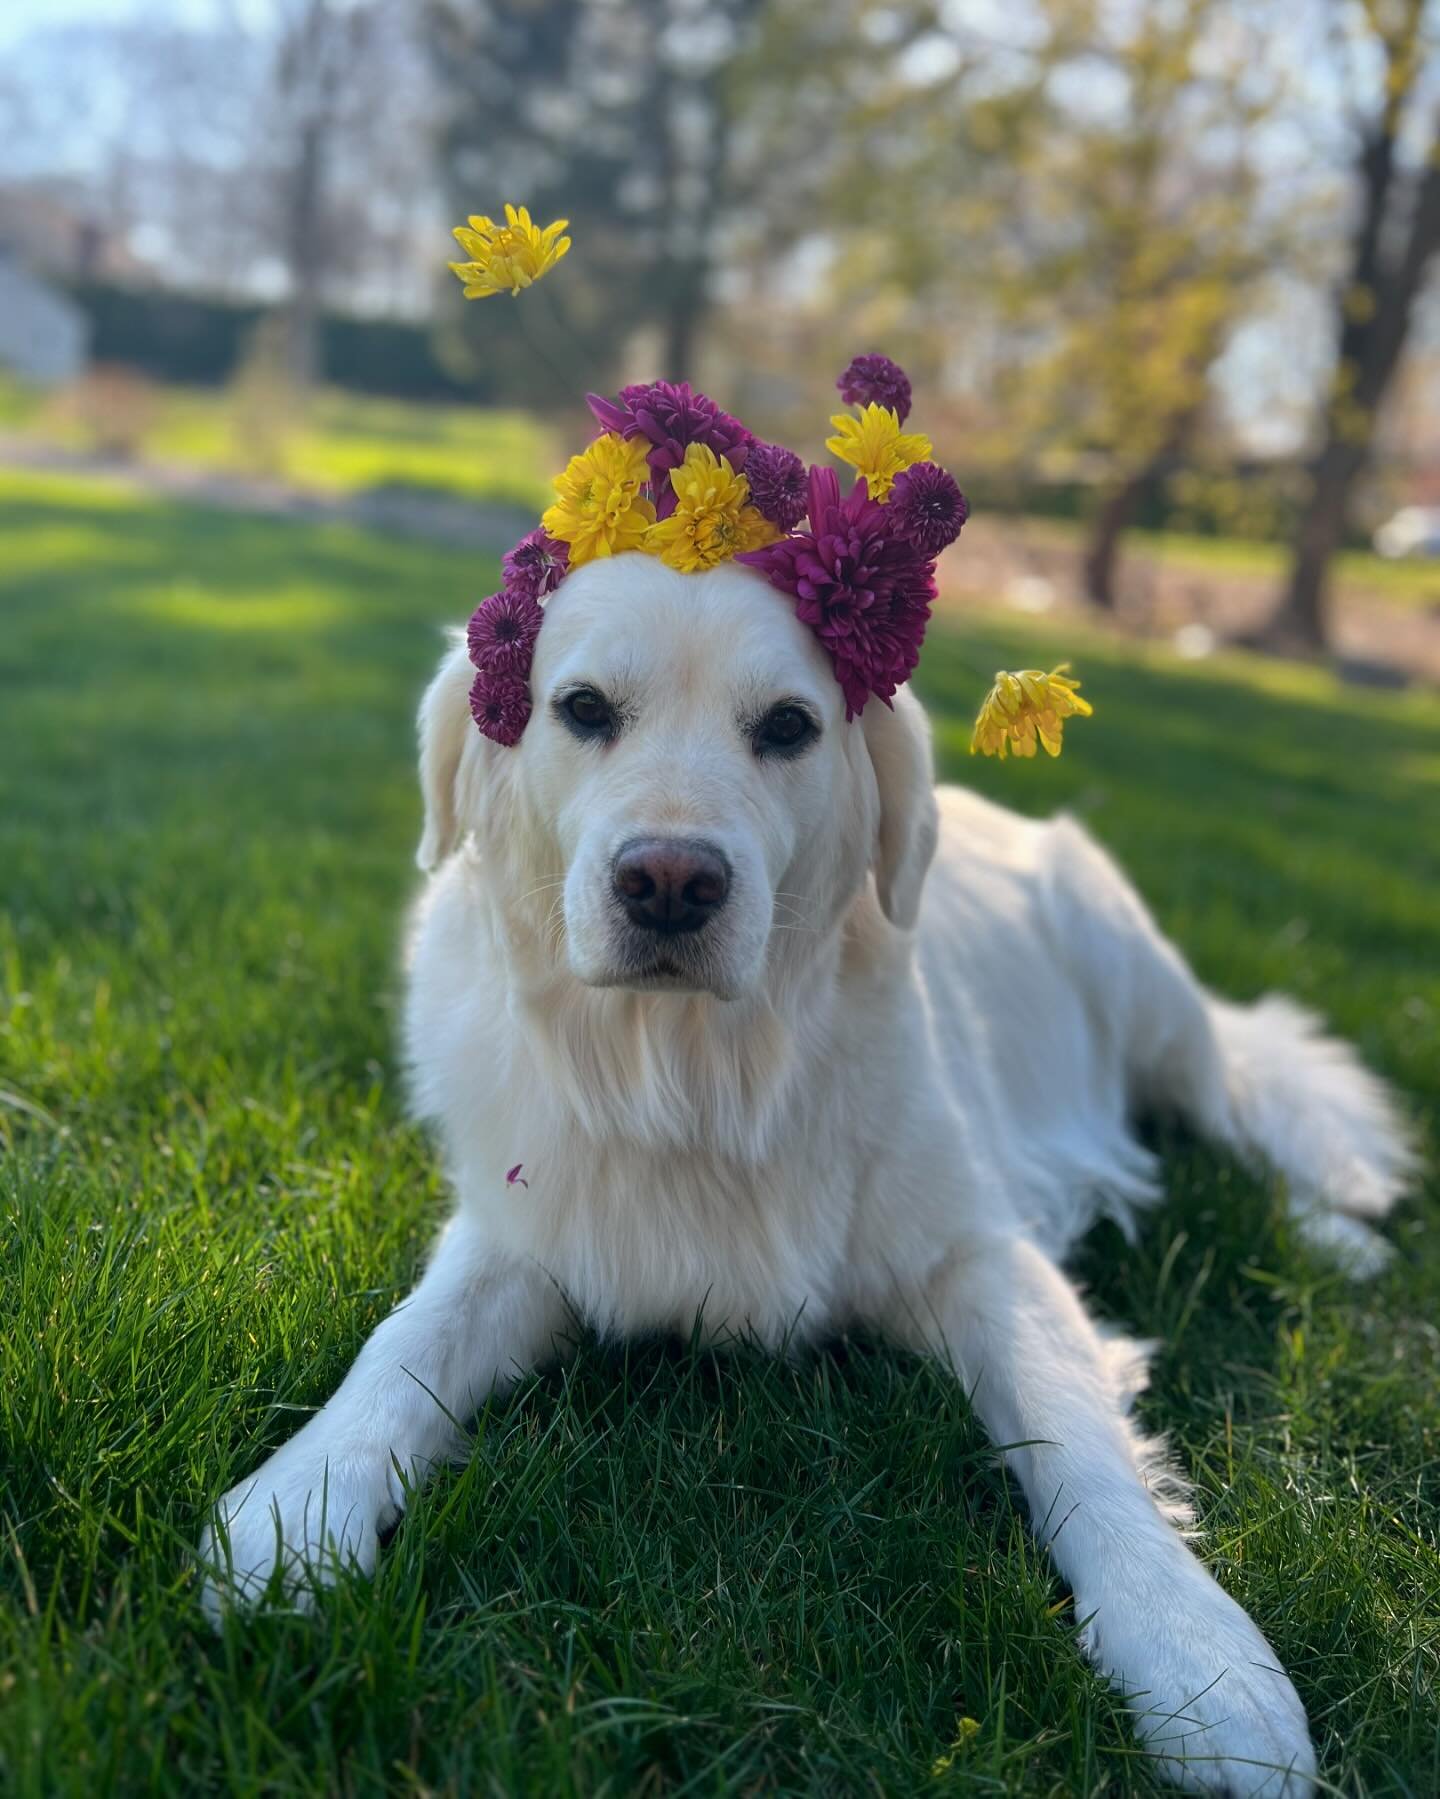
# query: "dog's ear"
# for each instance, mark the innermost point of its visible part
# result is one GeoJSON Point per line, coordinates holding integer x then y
{"type": "Point", "coordinates": [445, 727]}
{"type": "Point", "coordinates": [898, 740]}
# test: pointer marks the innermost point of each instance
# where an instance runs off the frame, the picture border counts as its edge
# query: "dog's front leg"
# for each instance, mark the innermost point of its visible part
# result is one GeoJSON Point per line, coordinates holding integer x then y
{"type": "Point", "coordinates": [1208, 1695]}
{"type": "Point", "coordinates": [477, 1318]}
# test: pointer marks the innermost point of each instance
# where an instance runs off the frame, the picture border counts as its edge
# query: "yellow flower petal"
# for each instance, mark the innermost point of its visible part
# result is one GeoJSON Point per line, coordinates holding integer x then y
{"type": "Point", "coordinates": [600, 509]}
{"type": "Point", "coordinates": [509, 257]}
{"type": "Point", "coordinates": [876, 447]}
{"type": "Point", "coordinates": [713, 519]}
{"type": "Point", "coordinates": [1026, 711]}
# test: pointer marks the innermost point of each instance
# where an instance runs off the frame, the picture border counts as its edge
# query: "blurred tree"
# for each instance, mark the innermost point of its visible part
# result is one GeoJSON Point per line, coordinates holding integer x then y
{"type": "Point", "coordinates": [1144, 252]}
{"type": "Point", "coordinates": [276, 150]}
{"type": "Point", "coordinates": [1089, 189]}
{"type": "Point", "coordinates": [319, 51]}
{"type": "Point", "coordinates": [660, 128]}
{"type": "Point", "coordinates": [1385, 60]}
{"type": "Point", "coordinates": [335, 83]}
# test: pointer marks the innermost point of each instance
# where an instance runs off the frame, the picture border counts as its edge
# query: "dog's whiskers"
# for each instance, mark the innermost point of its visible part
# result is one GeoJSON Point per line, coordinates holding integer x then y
{"type": "Point", "coordinates": [542, 887]}
{"type": "Point", "coordinates": [801, 921]}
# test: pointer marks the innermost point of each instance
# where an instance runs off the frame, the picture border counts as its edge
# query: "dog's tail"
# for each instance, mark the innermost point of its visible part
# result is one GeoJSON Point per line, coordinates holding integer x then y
{"type": "Point", "coordinates": [1301, 1102]}
{"type": "Point", "coordinates": [1265, 1079]}
{"type": "Point", "coordinates": [1269, 1083]}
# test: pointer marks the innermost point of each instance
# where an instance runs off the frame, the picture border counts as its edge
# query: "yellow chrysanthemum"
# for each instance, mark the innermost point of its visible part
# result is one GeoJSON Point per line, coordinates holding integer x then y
{"type": "Point", "coordinates": [600, 510]}
{"type": "Point", "coordinates": [876, 447]}
{"type": "Point", "coordinates": [507, 257]}
{"type": "Point", "coordinates": [1027, 708]}
{"type": "Point", "coordinates": [713, 519]}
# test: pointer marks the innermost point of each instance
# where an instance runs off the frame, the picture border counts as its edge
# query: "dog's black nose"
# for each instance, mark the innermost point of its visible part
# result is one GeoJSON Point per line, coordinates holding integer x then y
{"type": "Point", "coordinates": [670, 884]}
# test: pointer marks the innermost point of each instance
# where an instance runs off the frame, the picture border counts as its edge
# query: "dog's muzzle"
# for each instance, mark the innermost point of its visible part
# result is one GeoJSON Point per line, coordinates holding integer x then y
{"type": "Point", "coordinates": [670, 885]}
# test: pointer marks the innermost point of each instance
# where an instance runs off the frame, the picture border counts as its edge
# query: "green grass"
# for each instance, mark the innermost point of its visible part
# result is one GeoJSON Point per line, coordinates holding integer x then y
{"type": "Point", "coordinates": [662, 1571]}
{"type": "Point", "coordinates": [19, 402]}
{"type": "Point", "coordinates": [1356, 572]}
{"type": "Point", "coordinates": [336, 442]}
{"type": "Point", "coordinates": [1403, 583]}
{"type": "Point", "coordinates": [341, 442]}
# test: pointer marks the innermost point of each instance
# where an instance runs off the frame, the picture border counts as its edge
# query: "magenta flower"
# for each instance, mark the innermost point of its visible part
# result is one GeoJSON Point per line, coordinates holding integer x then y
{"type": "Point", "coordinates": [777, 484]}
{"type": "Point", "coordinates": [865, 591]}
{"type": "Point", "coordinates": [537, 565]}
{"type": "Point", "coordinates": [502, 633]}
{"type": "Point", "coordinates": [500, 706]}
{"type": "Point", "coordinates": [876, 381]}
{"type": "Point", "coordinates": [672, 417]}
{"type": "Point", "coordinates": [928, 507]}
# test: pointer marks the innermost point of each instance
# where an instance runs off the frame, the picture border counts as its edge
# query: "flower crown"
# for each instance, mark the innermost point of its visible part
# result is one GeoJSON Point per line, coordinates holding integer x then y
{"type": "Point", "coordinates": [670, 475]}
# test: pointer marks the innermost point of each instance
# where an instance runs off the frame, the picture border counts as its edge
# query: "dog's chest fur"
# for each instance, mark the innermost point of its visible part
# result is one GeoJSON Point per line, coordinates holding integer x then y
{"type": "Point", "coordinates": [657, 1242]}
{"type": "Point", "coordinates": [682, 1159]}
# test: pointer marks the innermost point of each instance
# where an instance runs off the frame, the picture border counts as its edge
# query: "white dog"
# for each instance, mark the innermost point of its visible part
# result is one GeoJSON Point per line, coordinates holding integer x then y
{"type": "Point", "coordinates": [680, 960]}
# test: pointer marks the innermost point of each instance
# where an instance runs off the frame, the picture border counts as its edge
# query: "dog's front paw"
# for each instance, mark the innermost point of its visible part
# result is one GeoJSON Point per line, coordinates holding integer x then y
{"type": "Point", "coordinates": [1209, 1699]}
{"type": "Point", "coordinates": [304, 1514]}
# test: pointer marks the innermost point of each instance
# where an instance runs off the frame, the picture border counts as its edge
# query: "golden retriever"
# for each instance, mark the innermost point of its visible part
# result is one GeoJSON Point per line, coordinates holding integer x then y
{"type": "Point", "coordinates": [721, 1009]}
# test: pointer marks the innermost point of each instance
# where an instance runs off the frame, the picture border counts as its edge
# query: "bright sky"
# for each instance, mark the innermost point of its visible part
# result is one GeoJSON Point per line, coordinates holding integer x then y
{"type": "Point", "coordinates": [17, 17]}
{"type": "Point", "coordinates": [22, 16]}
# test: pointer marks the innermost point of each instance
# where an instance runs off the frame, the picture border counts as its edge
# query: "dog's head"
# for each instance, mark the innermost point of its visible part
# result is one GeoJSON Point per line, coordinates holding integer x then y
{"type": "Point", "coordinates": [688, 798]}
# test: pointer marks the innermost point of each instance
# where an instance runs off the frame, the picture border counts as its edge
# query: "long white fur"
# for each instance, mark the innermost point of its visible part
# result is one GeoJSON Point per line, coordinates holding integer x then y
{"type": "Point", "coordinates": [898, 1085]}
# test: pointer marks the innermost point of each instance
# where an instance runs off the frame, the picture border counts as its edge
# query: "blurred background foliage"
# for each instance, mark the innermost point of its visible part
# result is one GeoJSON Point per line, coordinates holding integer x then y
{"type": "Point", "coordinates": [1152, 263]}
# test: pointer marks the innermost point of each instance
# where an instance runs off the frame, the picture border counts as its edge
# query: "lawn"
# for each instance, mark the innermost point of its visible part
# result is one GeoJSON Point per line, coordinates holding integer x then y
{"type": "Point", "coordinates": [340, 442]}
{"type": "Point", "coordinates": [661, 1571]}
{"type": "Point", "coordinates": [1412, 583]}
{"type": "Point", "coordinates": [336, 442]}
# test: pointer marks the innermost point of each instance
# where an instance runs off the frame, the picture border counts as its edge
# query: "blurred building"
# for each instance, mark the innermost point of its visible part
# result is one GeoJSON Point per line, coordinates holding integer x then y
{"type": "Point", "coordinates": [43, 334]}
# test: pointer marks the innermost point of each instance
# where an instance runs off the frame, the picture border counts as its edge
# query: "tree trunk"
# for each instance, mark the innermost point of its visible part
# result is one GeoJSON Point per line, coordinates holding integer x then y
{"type": "Point", "coordinates": [1376, 306]}
{"type": "Point", "coordinates": [682, 327]}
{"type": "Point", "coordinates": [1303, 617]}
{"type": "Point", "coordinates": [1301, 626]}
{"type": "Point", "coordinates": [1103, 551]}
{"type": "Point", "coordinates": [1117, 513]}
{"type": "Point", "coordinates": [304, 234]}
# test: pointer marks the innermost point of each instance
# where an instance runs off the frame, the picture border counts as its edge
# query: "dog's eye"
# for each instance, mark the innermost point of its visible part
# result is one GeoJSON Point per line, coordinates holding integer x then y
{"type": "Point", "coordinates": [784, 728]}
{"type": "Point", "coordinates": [587, 713]}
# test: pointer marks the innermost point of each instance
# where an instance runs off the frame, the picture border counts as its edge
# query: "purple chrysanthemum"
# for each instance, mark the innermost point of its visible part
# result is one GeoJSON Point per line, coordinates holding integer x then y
{"type": "Point", "coordinates": [672, 417]}
{"type": "Point", "coordinates": [864, 591]}
{"type": "Point", "coordinates": [928, 507]}
{"type": "Point", "coordinates": [537, 564]}
{"type": "Point", "coordinates": [500, 706]}
{"type": "Point", "coordinates": [777, 484]}
{"type": "Point", "coordinates": [502, 633]}
{"type": "Point", "coordinates": [874, 380]}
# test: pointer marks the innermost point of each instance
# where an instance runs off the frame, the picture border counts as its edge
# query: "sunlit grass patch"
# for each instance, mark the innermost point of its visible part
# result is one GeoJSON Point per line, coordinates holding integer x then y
{"type": "Point", "coordinates": [331, 441]}
{"type": "Point", "coordinates": [340, 442]}
{"type": "Point", "coordinates": [283, 606]}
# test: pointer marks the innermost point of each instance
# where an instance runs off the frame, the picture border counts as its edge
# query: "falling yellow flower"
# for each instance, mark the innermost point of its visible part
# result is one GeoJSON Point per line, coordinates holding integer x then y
{"type": "Point", "coordinates": [601, 510]}
{"type": "Point", "coordinates": [712, 520]}
{"type": "Point", "coordinates": [508, 256]}
{"type": "Point", "coordinates": [1027, 708]}
{"type": "Point", "coordinates": [877, 447]}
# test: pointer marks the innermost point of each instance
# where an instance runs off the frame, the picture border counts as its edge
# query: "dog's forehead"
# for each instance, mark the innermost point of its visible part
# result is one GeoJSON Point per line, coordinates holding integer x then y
{"type": "Point", "coordinates": [632, 617]}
